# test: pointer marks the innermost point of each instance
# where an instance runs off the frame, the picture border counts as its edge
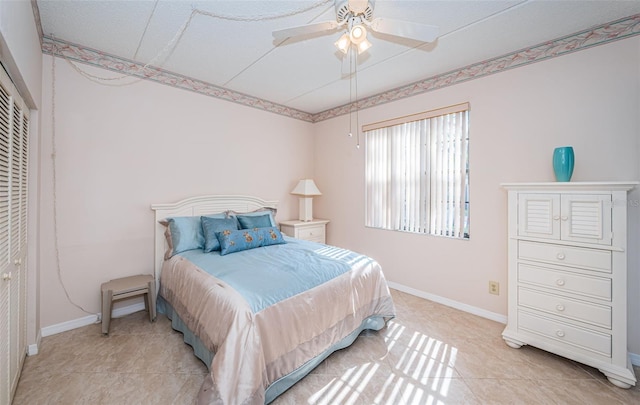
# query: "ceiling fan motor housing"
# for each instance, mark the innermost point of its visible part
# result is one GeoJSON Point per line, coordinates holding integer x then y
{"type": "Point", "coordinates": [348, 9]}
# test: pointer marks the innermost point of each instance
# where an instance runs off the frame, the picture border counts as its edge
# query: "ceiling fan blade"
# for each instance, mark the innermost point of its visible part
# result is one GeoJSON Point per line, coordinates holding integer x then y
{"type": "Point", "coordinates": [305, 30]}
{"type": "Point", "coordinates": [405, 29]}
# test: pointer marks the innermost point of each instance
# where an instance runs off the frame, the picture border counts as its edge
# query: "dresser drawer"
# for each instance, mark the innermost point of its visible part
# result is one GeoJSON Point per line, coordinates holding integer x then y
{"type": "Point", "coordinates": [598, 315]}
{"type": "Point", "coordinates": [311, 233]}
{"type": "Point", "coordinates": [592, 259]}
{"type": "Point", "coordinates": [317, 239]}
{"type": "Point", "coordinates": [596, 287]}
{"type": "Point", "coordinates": [568, 334]}
{"type": "Point", "coordinates": [314, 230]}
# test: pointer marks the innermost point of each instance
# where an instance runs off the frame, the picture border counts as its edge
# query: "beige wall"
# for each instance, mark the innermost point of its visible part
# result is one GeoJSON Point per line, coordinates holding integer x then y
{"type": "Point", "coordinates": [588, 99]}
{"type": "Point", "coordinates": [20, 49]}
{"type": "Point", "coordinates": [120, 149]}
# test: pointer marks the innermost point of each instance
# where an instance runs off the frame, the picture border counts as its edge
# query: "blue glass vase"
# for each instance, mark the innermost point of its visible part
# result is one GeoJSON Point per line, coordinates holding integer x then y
{"type": "Point", "coordinates": [563, 160]}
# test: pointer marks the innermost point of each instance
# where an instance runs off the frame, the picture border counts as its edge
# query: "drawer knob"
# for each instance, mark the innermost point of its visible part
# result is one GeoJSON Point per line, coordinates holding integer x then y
{"type": "Point", "coordinates": [560, 333]}
{"type": "Point", "coordinates": [560, 282]}
{"type": "Point", "coordinates": [560, 256]}
{"type": "Point", "coordinates": [564, 218]}
{"type": "Point", "coordinates": [6, 276]}
{"type": "Point", "coordinates": [556, 217]}
{"type": "Point", "coordinates": [560, 307]}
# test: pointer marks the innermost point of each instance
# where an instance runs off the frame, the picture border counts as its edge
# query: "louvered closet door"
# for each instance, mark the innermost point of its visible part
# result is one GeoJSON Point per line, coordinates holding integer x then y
{"type": "Point", "coordinates": [14, 130]}
{"type": "Point", "coordinates": [5, 283]}
{"type": "Point", "coordinates": [24, 181]}
{"type": "Point", "coordinates": [17, 249]}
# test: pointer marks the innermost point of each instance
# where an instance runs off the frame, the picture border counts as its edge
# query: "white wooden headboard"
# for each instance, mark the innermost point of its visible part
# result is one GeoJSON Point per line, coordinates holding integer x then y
{"type": "Point", "coordinates": [202, 205]}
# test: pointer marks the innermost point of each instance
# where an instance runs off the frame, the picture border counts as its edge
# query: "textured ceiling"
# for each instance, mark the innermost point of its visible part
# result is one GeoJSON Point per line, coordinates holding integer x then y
{"type": "Point", "coordinates": [306, 73]}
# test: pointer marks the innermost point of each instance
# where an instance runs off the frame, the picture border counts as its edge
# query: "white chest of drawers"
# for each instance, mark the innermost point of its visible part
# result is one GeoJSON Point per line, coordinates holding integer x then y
{"type": "Point", "coordinates": [314, 230]}
{"type": "Point", "coordinates": [567, 288]}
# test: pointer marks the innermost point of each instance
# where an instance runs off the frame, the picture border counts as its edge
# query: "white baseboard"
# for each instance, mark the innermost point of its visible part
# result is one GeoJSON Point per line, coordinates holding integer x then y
{"type": "Point", "coordinates": [32, 349]}
{"type": "Point", "coordinates": [450, 303]}
{"type": "Point", "coordinates": [635, 358]}
{"type": "Point", "coordinates": [69, 325]}
{"type": "Point", "coordinates": [90, 319]}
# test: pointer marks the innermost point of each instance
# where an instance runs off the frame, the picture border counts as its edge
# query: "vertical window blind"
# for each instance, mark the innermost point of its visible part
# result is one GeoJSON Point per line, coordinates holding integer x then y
{"type": "Point", "coordinates": [417, 173]}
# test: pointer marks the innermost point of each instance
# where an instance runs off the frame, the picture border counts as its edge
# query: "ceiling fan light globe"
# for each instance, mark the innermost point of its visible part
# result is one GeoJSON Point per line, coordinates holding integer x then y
{"type": "Point", "coordinates": [363, 46]}
{"type": "Point", "coordinates": [358, 34]}
{"type": "Point", "coordinates": [343, 43]}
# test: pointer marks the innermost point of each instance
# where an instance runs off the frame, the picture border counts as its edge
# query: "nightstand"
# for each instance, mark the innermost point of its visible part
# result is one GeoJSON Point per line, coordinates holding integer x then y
{"type": "Point", "coordinates": [127, 287]}
{"type": "Point", "coordinates": [314, 230]}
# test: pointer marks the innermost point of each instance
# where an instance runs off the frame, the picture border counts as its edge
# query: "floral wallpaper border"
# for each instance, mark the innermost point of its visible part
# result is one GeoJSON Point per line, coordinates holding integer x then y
{"type": "Point", "coordinates": [599, 35]}
{"type": "Point", "coordinates": [78, 53]}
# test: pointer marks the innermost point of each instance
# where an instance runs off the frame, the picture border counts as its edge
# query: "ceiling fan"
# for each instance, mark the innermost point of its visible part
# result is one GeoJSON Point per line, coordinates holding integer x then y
{"type": "Point", "coordinates": [357, 17]}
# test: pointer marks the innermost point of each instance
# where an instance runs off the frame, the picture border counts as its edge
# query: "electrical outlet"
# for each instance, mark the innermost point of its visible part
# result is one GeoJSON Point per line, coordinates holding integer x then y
{"type": "Point", "coordinates": [494, 287]}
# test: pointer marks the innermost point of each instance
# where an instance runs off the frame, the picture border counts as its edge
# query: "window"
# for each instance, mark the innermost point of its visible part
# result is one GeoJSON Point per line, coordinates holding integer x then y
{"type": "Point", "coordinates": [417, 173]}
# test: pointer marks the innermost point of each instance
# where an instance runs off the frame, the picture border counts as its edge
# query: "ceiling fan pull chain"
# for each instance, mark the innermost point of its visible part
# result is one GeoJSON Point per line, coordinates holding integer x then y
{"type": "Point", "coordinates": [350, 56]}
{"type": "Point", "coordinates": [355, 69]}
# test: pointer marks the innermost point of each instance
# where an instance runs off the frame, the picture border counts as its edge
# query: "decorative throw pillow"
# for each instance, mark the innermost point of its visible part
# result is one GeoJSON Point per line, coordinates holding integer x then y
{"type": "Point", "coordinates": [210, 226]}
{"type": "Point", "coordinates": [271, 236]}
{"type": "Point", "coordinates": [255, 221]}
{"type": "Point", "coordinates": [243, 239]}
{"type": "Point", "coordinates": [184, 233]}
{"type": "Point", "coordinates": [259, 211]}
{"type": "Point", "coordinates": [235, 241]}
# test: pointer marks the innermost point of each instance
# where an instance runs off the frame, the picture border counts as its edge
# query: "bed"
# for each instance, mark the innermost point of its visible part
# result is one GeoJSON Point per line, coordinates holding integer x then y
{"type": "Point", "coordinates": [260, 317]}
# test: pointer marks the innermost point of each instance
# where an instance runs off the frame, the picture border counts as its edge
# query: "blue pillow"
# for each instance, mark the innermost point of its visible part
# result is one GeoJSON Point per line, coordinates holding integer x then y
{"type": "Point", "coordinates": [235, 241]}
{"type": "Point", "coordinates": [212, 225]}
{"type": "Point", "coordinates": [254, 221]}
{"type": "Point", "coordinates": [186, 234]}
{"type": "Point", "coordinates": [271, 236]}
{"type": "Point", "coordinates": [243, 239]}
{"type": "Point", "coordinates": [259, 212]}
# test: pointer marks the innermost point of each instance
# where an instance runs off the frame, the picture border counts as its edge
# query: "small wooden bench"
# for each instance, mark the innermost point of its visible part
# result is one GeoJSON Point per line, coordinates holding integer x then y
{"type": "Point", "coordinates": [127, 287]}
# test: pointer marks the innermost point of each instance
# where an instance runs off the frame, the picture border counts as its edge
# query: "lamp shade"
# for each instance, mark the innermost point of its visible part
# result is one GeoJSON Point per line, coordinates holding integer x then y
{"type": "Point", "coordinates": [343, 43]}
{"type": "Point", "coordinates": [306, 187]}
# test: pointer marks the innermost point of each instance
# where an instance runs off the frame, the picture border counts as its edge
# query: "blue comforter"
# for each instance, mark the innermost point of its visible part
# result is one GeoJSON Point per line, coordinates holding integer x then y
{"type": "Point", "coordinates": [280, 276]}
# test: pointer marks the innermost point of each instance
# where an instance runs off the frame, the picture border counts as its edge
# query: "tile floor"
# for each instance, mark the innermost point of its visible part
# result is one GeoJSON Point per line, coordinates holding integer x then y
{"type": "Point", "coordinates": [429, 354]}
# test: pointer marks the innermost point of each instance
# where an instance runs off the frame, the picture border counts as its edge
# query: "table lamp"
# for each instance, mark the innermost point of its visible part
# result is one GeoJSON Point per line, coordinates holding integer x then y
{"type": "Point", "coordinates": [306, 189]}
